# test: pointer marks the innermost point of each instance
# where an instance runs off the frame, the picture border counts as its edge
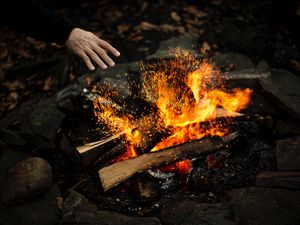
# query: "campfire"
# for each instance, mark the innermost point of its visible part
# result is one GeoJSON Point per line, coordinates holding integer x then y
{"type": "Point", "coordinates": [191, 112]}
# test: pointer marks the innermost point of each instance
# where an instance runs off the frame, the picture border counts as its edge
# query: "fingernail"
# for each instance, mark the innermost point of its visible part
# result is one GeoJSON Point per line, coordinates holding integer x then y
{"type": "Point", "coordinates": [112, 64]}
{"type": "Point", "coordinates": [118, 53]}
{"type": "Point", "coordinates": [104, 67]}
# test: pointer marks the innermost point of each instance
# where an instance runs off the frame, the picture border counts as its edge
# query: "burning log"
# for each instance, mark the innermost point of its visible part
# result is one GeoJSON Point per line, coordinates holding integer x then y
{"type": "Point", "coordinates": [117, 173]}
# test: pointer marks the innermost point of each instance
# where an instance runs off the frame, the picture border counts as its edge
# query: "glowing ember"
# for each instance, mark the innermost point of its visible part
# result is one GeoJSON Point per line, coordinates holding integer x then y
{"type": "Point", "coordinates": [187, 92]}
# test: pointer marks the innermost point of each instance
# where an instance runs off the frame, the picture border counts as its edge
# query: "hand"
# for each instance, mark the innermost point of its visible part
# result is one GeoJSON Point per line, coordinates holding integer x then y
{"type": "Point", "coordinates": [91, 48]}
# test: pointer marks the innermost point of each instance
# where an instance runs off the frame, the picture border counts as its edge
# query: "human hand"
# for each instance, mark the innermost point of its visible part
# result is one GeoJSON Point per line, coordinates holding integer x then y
{"type": "Point", "coordinates": [91, 48]}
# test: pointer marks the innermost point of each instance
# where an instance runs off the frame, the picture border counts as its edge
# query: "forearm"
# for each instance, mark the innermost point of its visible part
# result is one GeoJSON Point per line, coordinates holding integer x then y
{"type": "Point", "coordinates": [32, 19]}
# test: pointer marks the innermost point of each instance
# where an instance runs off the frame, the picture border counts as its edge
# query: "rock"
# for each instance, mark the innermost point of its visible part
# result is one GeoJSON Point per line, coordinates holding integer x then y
{"type": "Point", "coordinates": [236, 61]}
{"type": "Point", "coordinates": [288, 154]}
{"type": "Point", "coordinates": [189, 212]}
{"type": "Point", "coordinates": [12, 138]}
{"type": "Point", "coordinates": [27, 178]}
{"type": "Point", "coordinates": [7, 159]}
{"type": "Point", "coordinates": [118, 70]}
{"type": "Point", "coordinates": [65, 98]}
{"type": "Point", "coordinates": [145, 187]}
{"type": "Point", "coordinates": [278, 179]}
{"type": "Point", "coordinates": [266, 206]}
{"type": "Point", "coordinates": [40, 124]}
{"type": "Point", "coordinates": [186, 43]}
{"type": "Point", "coordinates": [78, 210]}
{"type": "Point", "coordinates": [117, 89]}
{"type": "Point", "coordinates": [38, 211]}
{"type": "Point", "coordinates": [283, 87]}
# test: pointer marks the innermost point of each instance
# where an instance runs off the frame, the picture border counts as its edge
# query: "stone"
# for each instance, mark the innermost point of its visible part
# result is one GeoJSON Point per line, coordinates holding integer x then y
{"type": "Point", "coordinates": [78, 210]}
{"type": "Point", "coordinates": [288, 154]}
{"type": "Point", "coordinates": [278, 179]}
{"type": "Point", "coordinates": [189, 212]}
{"type": "Point", "coordinates": [25, 179]}
{"type": "Point", "coordinates": [145, 187]}
{"type": "Point", "coordinates": [163, 52]}
{"type": "Point", "coordinates": [38, 211]}
{"type": "Point", "coordinates": [117, 89]}
{"type": "Point", "coordinates": [236, 61]}
{"type": "Point", "coordinates": [65, 99]}
{"type": "Point", "coordinates": [40, 124]}
{"type": "Point", "coordinates": [12, 138]}
{"type": "Point", "coordinates": [118, 70]}
{"type": "Point", "coordinates": [283, 88]}
{"type": "Point", "coordinates": [266, 206]}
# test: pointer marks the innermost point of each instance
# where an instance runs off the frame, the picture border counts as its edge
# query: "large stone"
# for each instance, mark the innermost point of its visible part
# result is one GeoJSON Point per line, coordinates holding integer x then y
{"type": "Point", "coordinates": [288, 154]}
{"type": "Point", "coordinates": [12, 138]}
{"type": "Point", "coordinates": [283, 87]}
{"type": "Point", "coordinates": [266, 206]}
{"type": "Point", "coordinates": [189, 212]}
{"type": "Point", "coordinates": [43, 210]}
{"type": "Point", "coordinates": [236, 61]}
{"type": "Point", "coordinates": [163, 51]}
{"type": "Point", "coordinates": [40, 124]}
{"type": "Point", "coordinates": [78, 210]}
{"type": "Point", "coordinates": [278, 179]}
{"type": "Point", "coordinates": [27, 178]}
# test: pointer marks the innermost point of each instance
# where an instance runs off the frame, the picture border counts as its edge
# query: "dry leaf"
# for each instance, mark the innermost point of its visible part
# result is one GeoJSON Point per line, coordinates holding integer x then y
{"type": "Point", "coordinates": [193, 10]}
{"type": "Point", "coordinates": [122, 28]}
{"type": "Point", "coordinates": [48, 84]}
{"type": "Point", "coordinates": [175, 16]}
{"type": "Point", "coordinates": [13, 85]}
{"type": "Point", "coordinates": [205, 48]}
{"type": "Point", "coordinates": [296, 64]}
{"type": "Point", "coordinates": [59, 202]}
{"type": "Point", "coordinates": [146, 26]}
{"type": "Point", "coordinates": [167, 28]}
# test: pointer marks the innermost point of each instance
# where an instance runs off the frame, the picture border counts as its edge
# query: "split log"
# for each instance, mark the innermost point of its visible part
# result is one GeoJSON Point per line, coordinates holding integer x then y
{"type": "Point", "coordinates": [117, 173]}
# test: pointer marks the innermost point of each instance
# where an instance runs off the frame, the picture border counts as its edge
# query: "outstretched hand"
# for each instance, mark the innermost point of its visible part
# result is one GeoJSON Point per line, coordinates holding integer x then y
{"type": "Point", "coordinates": [91, 48]}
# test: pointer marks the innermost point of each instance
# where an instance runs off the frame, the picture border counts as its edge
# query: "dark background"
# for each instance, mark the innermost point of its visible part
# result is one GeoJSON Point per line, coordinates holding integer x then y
{"type": "Point", "coordinates": [263, 30]}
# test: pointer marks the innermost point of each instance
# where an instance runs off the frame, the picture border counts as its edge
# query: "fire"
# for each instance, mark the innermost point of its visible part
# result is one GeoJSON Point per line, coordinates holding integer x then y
{"type": "Point", "coordinates": [187, 94]}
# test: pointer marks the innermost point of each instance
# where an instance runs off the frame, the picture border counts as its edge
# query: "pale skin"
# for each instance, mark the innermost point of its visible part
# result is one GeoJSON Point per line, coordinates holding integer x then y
{"type": "Point", "coordinates": [91, 49]}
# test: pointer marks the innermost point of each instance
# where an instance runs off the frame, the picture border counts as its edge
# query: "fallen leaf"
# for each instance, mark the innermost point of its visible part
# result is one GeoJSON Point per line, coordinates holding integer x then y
{"type": "Point", "coordinates": [295, 64]}
{"type": "Point", "coordinates": [175, 16]}
{"type": "Point", "coordinates": [59, 202]}
{"type": "Point", "coordinates": [167, 28]}
{"type": "Point", "coordinates": [144, 26]}
{"type": "Point", "coordinates": [13, 85]}
{"type": "Point", "coordinates": [48, 84]}
{"type": "Point", "coordinates": [122, 28]}
{"type": "Point", "coordinates": [193, 10]}
{"type": "Point", "coordinates": [205, 48]}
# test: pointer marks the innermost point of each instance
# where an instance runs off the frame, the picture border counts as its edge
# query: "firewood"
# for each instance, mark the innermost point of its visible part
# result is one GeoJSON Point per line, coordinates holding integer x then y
{"type": "Point", "coordinates": [117, 173]}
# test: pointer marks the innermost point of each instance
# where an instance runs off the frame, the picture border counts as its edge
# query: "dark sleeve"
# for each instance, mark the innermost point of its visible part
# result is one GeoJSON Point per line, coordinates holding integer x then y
{"type": "Point", "coordinates": [32, 19]}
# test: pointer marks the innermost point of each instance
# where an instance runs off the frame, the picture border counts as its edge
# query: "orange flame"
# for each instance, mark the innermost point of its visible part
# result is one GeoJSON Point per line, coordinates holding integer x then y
{"type": "Point", "coordinates": [187, 92]}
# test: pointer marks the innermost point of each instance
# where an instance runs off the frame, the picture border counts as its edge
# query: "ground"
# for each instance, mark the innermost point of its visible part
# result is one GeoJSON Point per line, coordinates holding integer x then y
{"type": "Point", "coordinates": [40, 84]}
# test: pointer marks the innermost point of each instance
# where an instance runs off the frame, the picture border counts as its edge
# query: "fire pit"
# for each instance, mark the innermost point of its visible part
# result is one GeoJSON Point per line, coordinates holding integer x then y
{"type": "Point", "coordinates": [178, 139]}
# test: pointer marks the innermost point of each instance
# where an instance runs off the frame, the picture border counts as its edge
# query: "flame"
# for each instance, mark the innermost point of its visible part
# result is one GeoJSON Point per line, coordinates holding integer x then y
{"type": "Point", "coordinates": [187, 93]}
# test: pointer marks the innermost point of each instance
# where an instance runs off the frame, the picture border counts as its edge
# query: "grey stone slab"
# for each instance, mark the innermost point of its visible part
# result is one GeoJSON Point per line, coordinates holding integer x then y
{"type": "Point", "coordinates": [283, 88]}
{"type": "Point", "coordinates": [288, 154]}
{"type": "Point", "coordinates": [237, 61]}
{"type": "Point", "coordinates": [189, 212]}
{"type": "Point", "coordinates": [40, 124]}
{"type": "Point", "coordinates": [278, 179]}
{"type": "Point", "coordinates": [163, 52]}
{"type": "Point", "coordinates": [78, 210]}
{"type": "Point", "coordinates": [38, 211]}
{"type": "Point", "coordinates": [266, 206]}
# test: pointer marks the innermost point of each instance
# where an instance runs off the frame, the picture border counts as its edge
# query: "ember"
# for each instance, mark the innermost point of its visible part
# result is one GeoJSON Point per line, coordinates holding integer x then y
{"type": "Point", "coordinates": [186, 92]}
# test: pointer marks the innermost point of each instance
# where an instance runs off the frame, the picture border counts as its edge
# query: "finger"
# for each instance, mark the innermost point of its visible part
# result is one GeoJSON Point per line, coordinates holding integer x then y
{"type": "Point", "coordinates": [96, 59]}
{"type": "Point", "coordinates": [108, 47]}
{"type": "Point", "coordinates": [86, 60]}
{"type": "Point", "coordinates": [102, 53]}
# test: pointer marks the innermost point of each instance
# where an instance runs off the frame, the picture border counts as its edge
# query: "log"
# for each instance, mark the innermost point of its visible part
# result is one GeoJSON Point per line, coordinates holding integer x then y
{"type": "Point", "coordinates": [117, 173]}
